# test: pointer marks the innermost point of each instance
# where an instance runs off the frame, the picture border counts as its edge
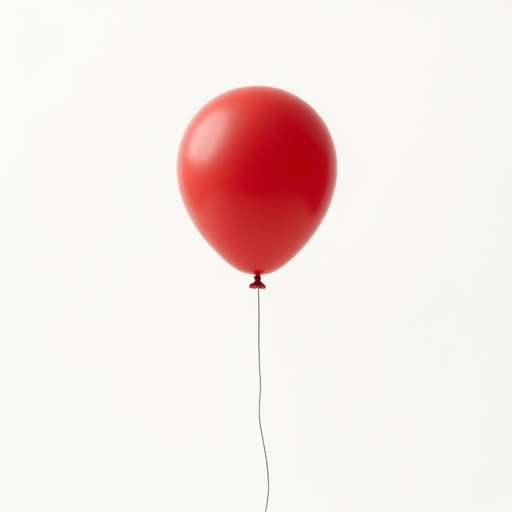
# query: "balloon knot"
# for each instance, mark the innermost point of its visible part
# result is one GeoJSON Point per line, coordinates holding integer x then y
{"type": "Point", "coordinates": [257, 282]}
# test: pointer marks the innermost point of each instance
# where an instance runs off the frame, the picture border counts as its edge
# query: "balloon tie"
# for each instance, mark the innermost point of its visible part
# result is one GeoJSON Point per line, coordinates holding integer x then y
{"type": "Point", "coordinates": [257, 282]}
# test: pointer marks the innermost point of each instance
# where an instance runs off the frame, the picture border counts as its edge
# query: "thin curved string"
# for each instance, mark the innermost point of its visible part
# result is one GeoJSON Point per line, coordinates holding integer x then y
{"type": "Point", "coordinates": [259, 405]}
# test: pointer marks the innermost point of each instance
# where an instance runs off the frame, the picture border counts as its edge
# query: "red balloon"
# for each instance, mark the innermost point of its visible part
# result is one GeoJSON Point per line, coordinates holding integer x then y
{"type": "Point", "coordinates": [257, 171]}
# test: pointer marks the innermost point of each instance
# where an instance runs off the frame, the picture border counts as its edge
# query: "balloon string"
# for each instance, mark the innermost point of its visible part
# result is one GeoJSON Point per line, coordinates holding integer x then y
{"type": "Point", "coordinates": [259, 404]}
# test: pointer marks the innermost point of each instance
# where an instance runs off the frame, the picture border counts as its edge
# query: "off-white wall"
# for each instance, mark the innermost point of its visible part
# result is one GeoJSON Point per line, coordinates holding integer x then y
{"type": "Point", "coordinates": [128, 375]}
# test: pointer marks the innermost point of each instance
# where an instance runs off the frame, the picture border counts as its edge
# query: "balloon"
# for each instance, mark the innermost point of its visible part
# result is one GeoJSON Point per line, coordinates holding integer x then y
{"type": "Point", "coordinates": [257, 171]}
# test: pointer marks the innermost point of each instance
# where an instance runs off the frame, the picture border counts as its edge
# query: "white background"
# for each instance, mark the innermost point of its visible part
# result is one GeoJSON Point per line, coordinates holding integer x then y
{"type": "Point", "coordinates": [128, 370]}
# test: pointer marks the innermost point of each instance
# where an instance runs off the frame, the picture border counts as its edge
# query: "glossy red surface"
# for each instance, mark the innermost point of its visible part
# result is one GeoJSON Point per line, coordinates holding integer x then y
{"type": "Point", "coordinates": [257, 171]}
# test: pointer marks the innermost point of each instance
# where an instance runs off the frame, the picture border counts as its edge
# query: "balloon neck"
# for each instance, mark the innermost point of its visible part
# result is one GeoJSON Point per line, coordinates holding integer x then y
{"type": "Point", "coordinates": [257, 282]}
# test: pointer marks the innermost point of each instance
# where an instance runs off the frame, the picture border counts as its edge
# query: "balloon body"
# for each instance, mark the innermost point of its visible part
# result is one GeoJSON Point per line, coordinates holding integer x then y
{"type": "Point", "coordinates": [257, 171]}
